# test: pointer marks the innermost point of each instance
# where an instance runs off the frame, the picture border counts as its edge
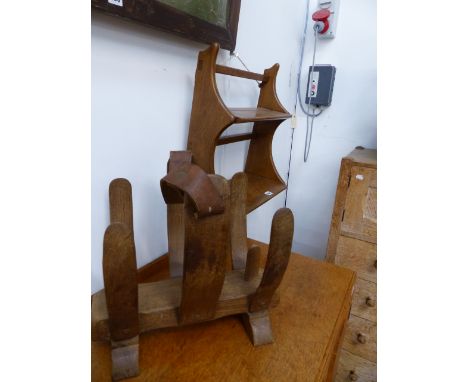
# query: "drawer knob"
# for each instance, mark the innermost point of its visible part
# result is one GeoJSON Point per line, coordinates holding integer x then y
{"type": "Point", "coordinates": [362, 338]}
{"type": "Point", "coordinates": [360, 177]}
{"type": "Point", "coordinates": [370, 302]}
{"type": "Point", "coordinates": [352, 376]}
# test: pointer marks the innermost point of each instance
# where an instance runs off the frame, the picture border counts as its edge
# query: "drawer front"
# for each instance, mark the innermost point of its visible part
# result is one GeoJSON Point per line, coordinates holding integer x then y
{"type": "Point", "coordinates": [358, 255]}
{"type": "Point", "coordinates": [365, 300]}
{"type": "Point", "coordinates": [361, 338]}
{"type": "Point", "coordinates": [359, 218]}
{"type": "Point", "coordinates": [354, 368]}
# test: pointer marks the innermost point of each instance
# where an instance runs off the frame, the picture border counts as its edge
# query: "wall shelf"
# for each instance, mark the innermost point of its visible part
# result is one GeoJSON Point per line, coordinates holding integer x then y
{"type": "Point", "coordinates": [211, 117]}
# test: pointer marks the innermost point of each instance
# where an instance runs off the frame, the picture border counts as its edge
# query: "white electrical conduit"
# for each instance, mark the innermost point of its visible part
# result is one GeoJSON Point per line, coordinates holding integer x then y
{"type": "Point", "coordinates": [308, 138]}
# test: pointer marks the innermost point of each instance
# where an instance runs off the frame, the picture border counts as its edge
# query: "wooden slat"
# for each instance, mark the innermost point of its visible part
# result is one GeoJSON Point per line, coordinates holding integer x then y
{"type": "Point", "coordinates": [175, 238]}
{"type": "Point", "coordinates": [175, 215]}
{"type": "Point", "coordinates": [238, 224]}
{"type": "Point", "coordinates": [206, 248]}
{"type": "Point", "coordinates": [159, 301]}
{"type": "Point", "coordinates": [221, 69]}
{"type": "Point", "coordinates": [257, 114]}
{"type": "Point", "coordinates": [234, 138]}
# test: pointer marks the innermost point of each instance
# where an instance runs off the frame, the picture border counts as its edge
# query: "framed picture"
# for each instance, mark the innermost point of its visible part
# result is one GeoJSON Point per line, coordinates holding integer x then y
{"type": "Point", "coordinates": [200, 20]}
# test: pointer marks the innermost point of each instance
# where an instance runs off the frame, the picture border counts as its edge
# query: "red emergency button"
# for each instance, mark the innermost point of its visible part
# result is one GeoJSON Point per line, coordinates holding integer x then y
{"type": "Point", "coordinates": [322, 15]}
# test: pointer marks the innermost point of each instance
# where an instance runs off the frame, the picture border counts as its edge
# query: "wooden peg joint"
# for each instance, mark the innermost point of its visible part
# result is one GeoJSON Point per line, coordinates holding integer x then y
{"type": "Point", "coordinates": [252, 266]}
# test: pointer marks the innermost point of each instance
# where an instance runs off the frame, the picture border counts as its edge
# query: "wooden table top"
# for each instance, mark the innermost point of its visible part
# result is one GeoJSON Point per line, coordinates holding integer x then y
{"type": "Point", "coordinates": [315, 299]}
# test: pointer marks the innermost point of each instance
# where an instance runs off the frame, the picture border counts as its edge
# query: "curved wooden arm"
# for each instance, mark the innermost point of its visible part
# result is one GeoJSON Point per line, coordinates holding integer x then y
{"type": "Point", "coordinates": [120, 282]}
{"type": "Point", "coordinates": [282, 228]}
{"type": "Point", "coordinates": [119, 263]}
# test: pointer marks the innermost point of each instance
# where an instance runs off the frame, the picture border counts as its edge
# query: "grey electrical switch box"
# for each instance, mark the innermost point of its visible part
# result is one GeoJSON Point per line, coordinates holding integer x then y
{"type": "Point", "coordinates": [320, 85]}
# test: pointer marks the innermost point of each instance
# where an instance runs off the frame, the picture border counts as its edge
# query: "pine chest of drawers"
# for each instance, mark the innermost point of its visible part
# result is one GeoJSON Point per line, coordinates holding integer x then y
{"type": "Point", "coordinates": [352, 243]}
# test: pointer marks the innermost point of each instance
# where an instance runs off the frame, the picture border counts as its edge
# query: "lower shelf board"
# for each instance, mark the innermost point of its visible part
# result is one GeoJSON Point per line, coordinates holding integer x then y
{"type": "Point", "coordinates": [260, 190]}
{"type": "Point", "coordinates": [354, 368]}
{"type": "Point", "coordinates": [257, 114]}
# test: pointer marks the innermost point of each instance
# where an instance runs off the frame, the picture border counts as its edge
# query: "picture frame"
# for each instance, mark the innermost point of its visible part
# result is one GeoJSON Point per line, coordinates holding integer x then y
{"type": "Point", "coordinates": [198, 27]}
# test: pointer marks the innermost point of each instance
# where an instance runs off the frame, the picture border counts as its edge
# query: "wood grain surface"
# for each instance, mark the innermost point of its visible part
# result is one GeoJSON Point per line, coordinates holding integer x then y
{"type": "Point", "coordinates": [120, 202]}
{"type": "Point", "coordinates": [120, 281]}
{"type": "Point", "coordinates": [260, 190]}
{"type": "Point", "coordinates": [210, 117]}
{"type": "Point", "coordinates": [159, 302]}
{"type": "Point", "coordinates": [360, 212]}
{"type": "Point", "coordinates": [352, 244]}
{"type": "Point", "coordinates": [175, 215]}
{"type": "Point", "coordinates": [257, 114]}
{"type": "Point", "coordinates": [175, 237]}
{"type": "Point", "coordinates": [206, 251]}
{"type": "Point", "coordinates": [358, 255]}
{"type": "Point", "coordinates": [227, 139]}
{"type": "Point", "coordinates": [196, 186]}
{"type": "Point", "coordinates": [361, 338]}
{"type": "Point", "coordinates": [338, 209]}
{"type": "Point", "coordinates": [238, 218]}
{"type": "Point", "coordinates": [366, 158]}
{"type": "Point", "coordinates": [365, 300]}
{"type": "Point", "coordinates": [354, 368]}
{"type": "Point", "coordinates": [315, 299]}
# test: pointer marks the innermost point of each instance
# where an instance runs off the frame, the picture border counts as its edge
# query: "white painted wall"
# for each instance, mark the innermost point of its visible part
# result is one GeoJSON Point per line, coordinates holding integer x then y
{"type": "Point", "coordinates": [349, 122]}
{"type": "Point", "coordinates": [142, 84]}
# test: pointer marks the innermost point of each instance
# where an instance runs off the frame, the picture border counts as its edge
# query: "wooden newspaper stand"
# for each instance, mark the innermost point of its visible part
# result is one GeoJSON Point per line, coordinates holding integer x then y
{"type": "Point", "coordinates": [220, 274]}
